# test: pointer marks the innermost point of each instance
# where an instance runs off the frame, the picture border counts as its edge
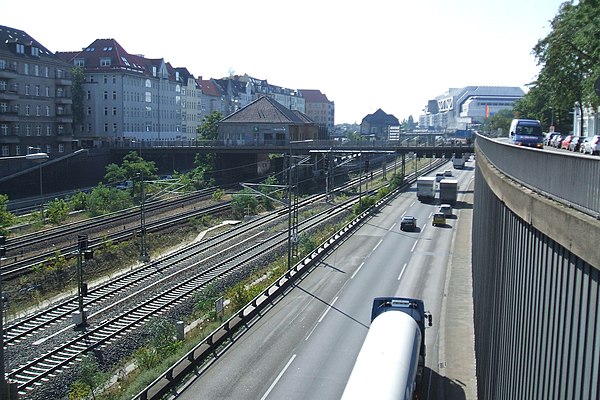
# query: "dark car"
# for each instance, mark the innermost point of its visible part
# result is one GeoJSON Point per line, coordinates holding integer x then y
{"type": "Point", "coordinates": [575, 143]}
{"type": "Point", "coordinates": [408, 223]}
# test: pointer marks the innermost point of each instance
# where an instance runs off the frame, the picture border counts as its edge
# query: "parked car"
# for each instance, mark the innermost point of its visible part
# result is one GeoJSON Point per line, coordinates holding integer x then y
{"type": "Point", "coordinates": [408, 223]}
{"type": "Point", "coordinates": [565, 143]}
{"type": "Point", "coordinates": [438, 219]}
{"type": "Point", "coordinates": [591, 145]}
{"type": "Point", "coordinates": [553, 135]}
{"type": "Point", "coordinates": [556, 140]}
{"type": "Point", "coordinates": [548, 137]}
{"type": "Point", "coordinates": [575, 143]}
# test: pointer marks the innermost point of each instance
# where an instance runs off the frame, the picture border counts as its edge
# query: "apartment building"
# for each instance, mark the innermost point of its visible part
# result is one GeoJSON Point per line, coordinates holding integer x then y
{"type": "Point", "coordinates": [35, 97]}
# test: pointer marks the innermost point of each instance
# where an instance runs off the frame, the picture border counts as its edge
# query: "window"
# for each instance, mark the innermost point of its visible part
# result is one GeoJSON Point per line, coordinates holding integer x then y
{"type": "Point", "coordinates": [3, 85]}
{"type": "Point", "coordinates": [105, 95]}
{"type": "Point", "coordinates": [105, 110]}
{"type": "Point", "coordinates": [60, 92]}
{"type": "Point", "coordinates": [38, 111]}
{"type": "Point", "coordinates": [48, 130]}
{"type": "Point", "coordinates": [79, 62]}
{"type": "Point", "coordinates": [115, 128]}
{"type": "Point", "coordinates": [2, 63]}
{"type": "Point", "coordinates": [114, 111]}
{"type": "Point", "coordinates": [61, 148]}
{"type": "Point", "coordinates": [17, 150]}
{"type": "Point", "coordinates": [27, 89]}
{"type": "Point", "coordinates": [20, 48]}
{"type": "Point", "coordinates": [37, 90]}
{"type": "Point", "coordinates": [36, 70]}
{"type": "Point", "coordinates": [148, 97]}
{"type": "Point", "coordinates": [60, 110]}
{"type": "Point", "coordinates": [27, 110]}
{"type": "Point", "coordinates": [16, 130]}
{"type": "Point", "coordinates": [61, 129]}
{"type": "Point", "coordinates": [35, 52]}
{"type": "Point", "coordinates": [38, 130]}
{"type": "Point", "coordinates": [105, 62]}
{"type": "Point", "coordinates": [88, 95]}
{"type": "Point", "coordinates": [89, 111]}
{"type": "Point", "coordinates": [104, 79]}
{"type": "Point", "coordinates": [105, 127]}
{"type": "Point", "coordinates": [48, 149]}
{"type": "Point", "coordinates": [26, 69]}
{"type": "Point", "coordinates": [46, 72]}
{"type": "Point", "coordinates": [47, 111]}
{"type": "Point", "coordinates": [4, 129]}
{"type": "Point", "coordinates": [3, 107]}
{"type": "Point", "coordinates": [28, 130]}
{"type": "Point", "coordinates": [114, 95]}
{"type": "Point", "coordinates": [5, 151]}
{"type": "Point", "coordinates": [114, 79]}
{"type": "Point", "coordinates": [48, 92]}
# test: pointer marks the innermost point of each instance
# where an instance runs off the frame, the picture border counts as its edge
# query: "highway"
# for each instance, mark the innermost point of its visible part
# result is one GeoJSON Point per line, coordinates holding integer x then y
{"type": "Point", "coordinates": [306, 345]}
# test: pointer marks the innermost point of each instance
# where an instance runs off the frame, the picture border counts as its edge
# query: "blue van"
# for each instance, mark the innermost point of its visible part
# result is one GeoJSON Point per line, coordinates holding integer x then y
{"type": "Point", "coordinates": [526, 132]}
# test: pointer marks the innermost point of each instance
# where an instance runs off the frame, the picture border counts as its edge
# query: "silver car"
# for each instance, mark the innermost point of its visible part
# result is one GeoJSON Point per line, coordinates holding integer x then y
{"type": "Point", "coordinates": [590, 145]}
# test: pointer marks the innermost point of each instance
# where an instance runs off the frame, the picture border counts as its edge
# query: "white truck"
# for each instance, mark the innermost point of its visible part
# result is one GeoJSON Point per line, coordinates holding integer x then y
{"type": "Point", "coordinates": [458, 161]}
{"type": "Point", "coordinates": [448, 191]}
{"type": "Point", "coordinates": [426, 188]}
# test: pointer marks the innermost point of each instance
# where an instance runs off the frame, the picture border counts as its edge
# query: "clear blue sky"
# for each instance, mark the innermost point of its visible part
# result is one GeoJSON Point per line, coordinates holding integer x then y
{"type": "Point", "coordinates": [364, 55]}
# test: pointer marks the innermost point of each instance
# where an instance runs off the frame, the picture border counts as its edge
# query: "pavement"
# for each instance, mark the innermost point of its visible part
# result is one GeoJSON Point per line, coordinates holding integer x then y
{"type": "Point", "coordinates": [457, 346]}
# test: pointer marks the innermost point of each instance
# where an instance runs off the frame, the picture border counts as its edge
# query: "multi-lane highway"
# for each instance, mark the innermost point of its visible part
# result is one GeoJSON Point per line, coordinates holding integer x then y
{"type": "Point", "coordinates": [305, 346]}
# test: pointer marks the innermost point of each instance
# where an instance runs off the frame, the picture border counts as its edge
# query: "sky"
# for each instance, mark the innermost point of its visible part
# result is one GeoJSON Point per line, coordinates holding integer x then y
{"type": "Point", "coordinates": [364, 55]}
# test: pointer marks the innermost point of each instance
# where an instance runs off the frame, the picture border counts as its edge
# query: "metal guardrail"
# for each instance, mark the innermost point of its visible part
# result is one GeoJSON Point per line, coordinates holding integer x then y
{"type": "Point", "coordinates": [571, 179]}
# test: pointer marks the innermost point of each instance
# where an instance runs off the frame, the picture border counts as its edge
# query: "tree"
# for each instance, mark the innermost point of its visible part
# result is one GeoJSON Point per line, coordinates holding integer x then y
{"type": "Point", "coordinates": [569, 57]}
{"type": "Point", "coordinates": [77, 94]}
{"type": "Point", "coordinates": [103, 200]}
{"type": "Point", "coordinates": [90, 378]}
{"type": "Point", "coordinates": [244, 203]}
{"type": "Point", "coordinates": [209, 130]}
{"type": "Point", "coordinates": [499, 120]}
{"type": "Point", "coordinates": [6, 218]}
{"type": "Point", "coordinates": [58, 211]}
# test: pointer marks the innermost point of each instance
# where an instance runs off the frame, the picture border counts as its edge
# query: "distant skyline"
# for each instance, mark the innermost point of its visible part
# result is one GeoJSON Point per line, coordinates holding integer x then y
{"type": "Point", "coordinates": [389, 54]}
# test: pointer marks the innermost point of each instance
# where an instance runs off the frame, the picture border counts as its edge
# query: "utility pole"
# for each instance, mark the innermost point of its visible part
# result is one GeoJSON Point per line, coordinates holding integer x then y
{"type": "Point", "coordinates": [83, 253]}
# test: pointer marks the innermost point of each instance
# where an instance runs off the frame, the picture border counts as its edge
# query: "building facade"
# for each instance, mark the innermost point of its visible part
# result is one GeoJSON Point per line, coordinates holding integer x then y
{"type": "Point", "coordinates": [35, 97]}
{"type": "Point", "coordinates": [319, 108]}
{"type": "Point", "coordinates": [377, 126]}
{"type": "Point", "coordinates": [461, 108]}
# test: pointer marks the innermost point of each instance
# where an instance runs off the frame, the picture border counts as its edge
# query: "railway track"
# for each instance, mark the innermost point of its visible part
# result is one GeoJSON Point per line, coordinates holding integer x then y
{"type": "Point", "coordinates": [177, 282]}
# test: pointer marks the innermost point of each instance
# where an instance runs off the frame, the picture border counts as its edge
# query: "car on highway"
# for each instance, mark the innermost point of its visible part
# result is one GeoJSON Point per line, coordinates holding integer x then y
{"type": "Point", "coordinates": [448, 172]}
{"type": "Point", "coordinates": [438, 219]}
{"type": "Point", "coordinates": [408, 223]}
{"type": "Point", "coordinates": [590, 145]}
{"type": "Point", "coordinates": [565, 143]}
{"type": "Point", "coordinates": [439, 176]}
{"type": "Point", "coordinates": [446, 209]}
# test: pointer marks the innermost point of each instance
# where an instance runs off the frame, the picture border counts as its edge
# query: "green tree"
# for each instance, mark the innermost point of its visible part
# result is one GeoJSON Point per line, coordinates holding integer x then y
{"type": "Point", "coordinates": [569, 57]}
{"type": "Point", "coordinates": [103, 200]}
{"type": "Point", "coordinates": [6, 217]}
{"type": "Point", "coordinates": [58, 211]}
{"type": "Point", "coordinates": [209, 130]}
{"type": "Point", "coordinates": [90, 378]}
{"type": "Point", "coordinates": [498, 121]}
{"type": "Point", "coordinates": [244, 203]}
{"type": "Point", "coordinates": [78, 201]}
{"type": "Point", "coordinates": [77, 94]}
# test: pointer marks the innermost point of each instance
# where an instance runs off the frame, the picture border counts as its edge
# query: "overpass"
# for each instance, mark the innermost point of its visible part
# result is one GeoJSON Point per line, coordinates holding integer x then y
{"type": "Point", "coordinates": [536, 260]}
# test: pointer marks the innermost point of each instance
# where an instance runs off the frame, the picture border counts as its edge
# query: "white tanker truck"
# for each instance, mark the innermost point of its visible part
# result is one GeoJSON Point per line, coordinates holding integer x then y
{"type": "Point", "coordinates": [391, 360]}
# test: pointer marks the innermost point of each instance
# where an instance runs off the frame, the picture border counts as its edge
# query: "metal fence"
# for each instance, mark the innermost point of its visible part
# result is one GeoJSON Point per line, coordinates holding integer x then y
{"type": "Point", "coordinates": [572, 179]}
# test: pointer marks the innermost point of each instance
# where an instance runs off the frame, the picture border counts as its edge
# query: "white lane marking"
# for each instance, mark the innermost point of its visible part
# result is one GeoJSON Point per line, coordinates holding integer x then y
{"type": "Point", "coordinates": [278, 378]}
{"type": "Point", "coordinates": [377, 245]}
{"type": "Point", "coordinates": [414, 245]}
{"type": "Point", "coordinates": [392, 227]}
{"type": "Point", "coordinates": [321, 319]}
{"type": "Point", "coordinates": [412, 204]}
{"type": "Point", "coordinates": [402, 272]}
{"type": "Point", "coordinates": [357, 269]}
